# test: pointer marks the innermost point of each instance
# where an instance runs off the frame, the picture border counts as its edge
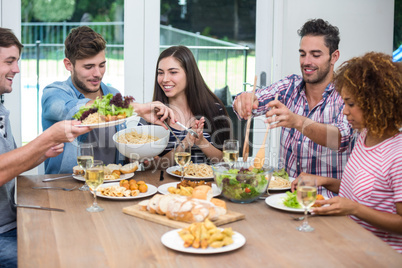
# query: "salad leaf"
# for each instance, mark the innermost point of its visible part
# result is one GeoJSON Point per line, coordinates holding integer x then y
{"type": "Point", "coordinates": [107, 105]}
{"type": "Point", "coordinates": [281, 173]}
{"type": "Point", "coordinates": [291, 200]}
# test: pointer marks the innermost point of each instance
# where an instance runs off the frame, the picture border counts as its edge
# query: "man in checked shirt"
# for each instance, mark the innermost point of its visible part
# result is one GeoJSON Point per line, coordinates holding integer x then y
{"type": "Point", "coordinates": [315, 137]}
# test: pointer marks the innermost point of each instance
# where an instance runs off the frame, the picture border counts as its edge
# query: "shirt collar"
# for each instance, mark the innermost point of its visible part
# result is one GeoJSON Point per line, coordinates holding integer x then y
{"type": "Point", "coordinates": [328, 90]}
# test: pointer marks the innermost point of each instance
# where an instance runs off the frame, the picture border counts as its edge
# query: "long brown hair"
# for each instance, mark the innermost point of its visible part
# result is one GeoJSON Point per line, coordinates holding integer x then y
{"type": "Point", "coordinates": [201, 100]}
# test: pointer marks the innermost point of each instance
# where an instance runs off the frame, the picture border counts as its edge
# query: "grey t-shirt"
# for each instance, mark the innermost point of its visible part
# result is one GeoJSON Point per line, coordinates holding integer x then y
{"type": "Point", "coordinates": [8, 219]}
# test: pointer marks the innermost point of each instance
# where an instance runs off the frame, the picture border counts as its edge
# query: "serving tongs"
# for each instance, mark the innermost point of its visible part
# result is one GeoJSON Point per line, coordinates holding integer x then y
{"type": "Point", "coordinates": [260, 156]}
{"type": "Point", "coordinates": [246, 139]}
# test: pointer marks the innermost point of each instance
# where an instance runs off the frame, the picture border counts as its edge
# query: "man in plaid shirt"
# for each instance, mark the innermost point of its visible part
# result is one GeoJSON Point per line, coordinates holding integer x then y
{"type": "Point", "coordinates": [315, 137]}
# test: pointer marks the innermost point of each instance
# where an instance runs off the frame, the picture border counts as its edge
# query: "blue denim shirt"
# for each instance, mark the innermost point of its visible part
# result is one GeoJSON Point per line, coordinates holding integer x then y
{"type": "Point", "coordinates": [60, 101]}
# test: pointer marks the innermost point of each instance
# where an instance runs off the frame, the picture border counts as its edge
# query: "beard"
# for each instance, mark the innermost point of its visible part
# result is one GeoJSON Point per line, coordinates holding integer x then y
{"type": "Point", "coordinates": [81, 85]}
{"type": "Point", "coordinates": [321, 75]}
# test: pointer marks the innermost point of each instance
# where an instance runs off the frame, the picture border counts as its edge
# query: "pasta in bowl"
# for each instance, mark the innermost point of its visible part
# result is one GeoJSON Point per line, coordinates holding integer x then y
{"type": "Point", "coordinates": [141, 142]}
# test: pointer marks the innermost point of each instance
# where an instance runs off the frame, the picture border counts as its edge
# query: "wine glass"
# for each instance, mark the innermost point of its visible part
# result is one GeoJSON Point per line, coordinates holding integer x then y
{"type": "Point", "coordinates": [230, 151]}
{"type": "Point", "coordinates": [85, 157]}
{"type": "Point", "coordinates": [94, 178]}
{"type": "Point", "coordinates": [182, 155]}
{"type": "Point", "coordinates": [306, 196]}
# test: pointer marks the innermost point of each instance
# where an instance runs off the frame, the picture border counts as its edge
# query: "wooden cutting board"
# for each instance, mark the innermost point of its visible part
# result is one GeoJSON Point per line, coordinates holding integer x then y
{"type": "Point", "coordinates": [134, 210]}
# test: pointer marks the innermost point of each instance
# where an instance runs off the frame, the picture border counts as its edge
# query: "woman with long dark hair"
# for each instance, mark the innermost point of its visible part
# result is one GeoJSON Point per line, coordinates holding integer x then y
{"type": "Point", "coordinates": [179, 85]}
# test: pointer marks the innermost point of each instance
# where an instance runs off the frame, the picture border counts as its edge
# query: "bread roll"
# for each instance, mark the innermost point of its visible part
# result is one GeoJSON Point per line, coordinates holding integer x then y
{"type": "Point", "coordinates": [218, 202]}
{"type": "Point", "coordinates": [113, 167]}
{"type": "Point", "coordinates": [77, 170]}
{"type": "Point", "coordinates": [129, 168]}
{"type": "Point", "coordinates": [192, 210]}
{"type": "Point", "coordinates": [203, 192]}
{"type": "Point", "coordinates": [143, 205]}
{"type": "Point", "coordinates": [153, 203]}
{"type": "Point", "coordinates": [163, 204]}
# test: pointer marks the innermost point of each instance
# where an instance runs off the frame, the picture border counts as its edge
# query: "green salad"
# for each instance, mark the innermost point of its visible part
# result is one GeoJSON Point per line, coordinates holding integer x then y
{"type": "Point", "coordinates": [242, 185]}
{"type": "Point", "coordinates": [281, 173]}
{"type": "Point", "coordinates": [108, 105]}
{"type": "Point", "coordinates": [291, 200]}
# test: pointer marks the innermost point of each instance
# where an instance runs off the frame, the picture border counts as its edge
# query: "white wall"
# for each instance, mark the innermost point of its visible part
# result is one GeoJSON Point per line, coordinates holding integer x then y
{"type": "Point", "coordinates": [364, 25]}
{"type": "Point", "coordinates": [10, 17]}
{"type": "Point", "coordinates": [141, 47]}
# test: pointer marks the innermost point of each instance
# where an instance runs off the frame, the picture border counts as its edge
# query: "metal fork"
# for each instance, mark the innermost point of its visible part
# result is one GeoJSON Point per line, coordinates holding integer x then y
{"type": "Point", "coordinates": [55, 188]}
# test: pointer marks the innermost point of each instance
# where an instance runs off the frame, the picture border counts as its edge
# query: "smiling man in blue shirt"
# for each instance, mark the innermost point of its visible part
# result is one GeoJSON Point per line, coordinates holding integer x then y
{"type": "Point", "coordinates": [86, 62]}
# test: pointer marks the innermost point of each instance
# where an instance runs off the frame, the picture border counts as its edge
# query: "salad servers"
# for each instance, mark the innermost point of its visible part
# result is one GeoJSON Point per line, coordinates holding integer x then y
{"type": "Point", "coordinates": [189, 130]}
{"type": "Point", "coordinates": [55, 188]}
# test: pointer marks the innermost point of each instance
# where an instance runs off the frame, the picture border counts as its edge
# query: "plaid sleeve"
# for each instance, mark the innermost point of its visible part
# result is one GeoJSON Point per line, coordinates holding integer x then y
{"type": "Point", "coordinates": [345, 129]}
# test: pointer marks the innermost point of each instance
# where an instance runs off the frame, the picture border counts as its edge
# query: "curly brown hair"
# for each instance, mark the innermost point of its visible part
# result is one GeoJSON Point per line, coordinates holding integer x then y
{"type": "Point", "coordinates": [375, 82]}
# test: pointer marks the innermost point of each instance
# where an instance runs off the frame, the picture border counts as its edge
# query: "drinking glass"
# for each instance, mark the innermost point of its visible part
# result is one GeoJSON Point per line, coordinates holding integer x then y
{"type": "Point", "coordinates": [230, 151]}
{"type": "Point", "coordinates": [182, 155]}
{"type": "Point", "coordinates": [306, 196]}
{"type": "Point", "coordinates": [85, 157]}
{"type": "Point", "coordinates": [94, 178]}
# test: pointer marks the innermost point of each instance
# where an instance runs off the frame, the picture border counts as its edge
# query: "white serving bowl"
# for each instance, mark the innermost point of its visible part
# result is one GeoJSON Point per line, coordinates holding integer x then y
{"type": "Point", "coordinates": [145, 151]}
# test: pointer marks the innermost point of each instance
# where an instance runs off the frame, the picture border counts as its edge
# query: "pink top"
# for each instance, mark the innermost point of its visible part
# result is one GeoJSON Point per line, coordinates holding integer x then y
{"type": "Point", "coordinates": [373, 177]}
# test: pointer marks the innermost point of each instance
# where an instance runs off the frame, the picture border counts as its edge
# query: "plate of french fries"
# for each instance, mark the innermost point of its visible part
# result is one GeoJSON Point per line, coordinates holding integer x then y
{"type": "Point", "coordinates": [203, 238]}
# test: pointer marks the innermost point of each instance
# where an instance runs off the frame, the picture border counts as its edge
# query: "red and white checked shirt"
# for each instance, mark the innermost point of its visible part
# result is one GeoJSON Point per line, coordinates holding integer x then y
{"type": "Point", "coordinates": [297, 152]}
{"type": "Point", "coordinates": [373, 177]}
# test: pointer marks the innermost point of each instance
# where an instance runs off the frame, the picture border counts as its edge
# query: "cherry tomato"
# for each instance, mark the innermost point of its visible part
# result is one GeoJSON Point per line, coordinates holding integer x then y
{"type": "Point", "coordinates": [247, 190]}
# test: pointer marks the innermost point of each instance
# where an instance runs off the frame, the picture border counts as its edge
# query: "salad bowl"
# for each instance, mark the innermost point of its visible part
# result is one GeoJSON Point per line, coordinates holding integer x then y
{"type": "Point", "coordinates": [241, 184]}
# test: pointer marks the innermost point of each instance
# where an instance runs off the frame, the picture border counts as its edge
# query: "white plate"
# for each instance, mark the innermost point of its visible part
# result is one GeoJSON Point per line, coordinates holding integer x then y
{"type": "Point", "coordinates": [163, 189]}
{"type": "Point", "coordinates": [281, 189]}
{"type": "Point", "coordinates": [151, 190]}
{"type": "Point", "coordinates": [174, 168]}
{"type": "Point", "coordinates": [122, 177]}
{"type": "Point", "coordinates": [276, 201]}
{"type": "Point", "coordinates": [110, 123]}
{"type": "Point", "coordinates": [173, 241]}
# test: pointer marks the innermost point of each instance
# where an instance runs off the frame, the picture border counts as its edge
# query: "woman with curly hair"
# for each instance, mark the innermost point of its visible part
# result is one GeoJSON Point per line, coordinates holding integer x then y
{"type": "Point", "coordinates": [371, 187]}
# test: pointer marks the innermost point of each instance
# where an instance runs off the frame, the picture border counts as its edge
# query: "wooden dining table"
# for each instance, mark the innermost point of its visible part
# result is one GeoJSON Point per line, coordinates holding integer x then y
{"type": "Point", "coordinates": [111, 238]}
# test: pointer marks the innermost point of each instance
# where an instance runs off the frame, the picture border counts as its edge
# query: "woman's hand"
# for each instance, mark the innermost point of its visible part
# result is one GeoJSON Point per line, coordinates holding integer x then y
{"type": "Point", "coordinates": [198, 127]}
{"type": "Point", "coordinates": [337, 206]}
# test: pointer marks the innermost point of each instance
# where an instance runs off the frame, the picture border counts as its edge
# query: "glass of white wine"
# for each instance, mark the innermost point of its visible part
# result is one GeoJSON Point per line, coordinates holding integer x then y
{"type": "Point", "coordinates": [306, 196]}
{"type": "Point", "coordinates": [85, 157]}
{"type": "Point", "coordinates": [182, 155]}
{"type": "Point", "coordinates": [94, 178]}
{"type": "Point", "coordinates": [230, 151]}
